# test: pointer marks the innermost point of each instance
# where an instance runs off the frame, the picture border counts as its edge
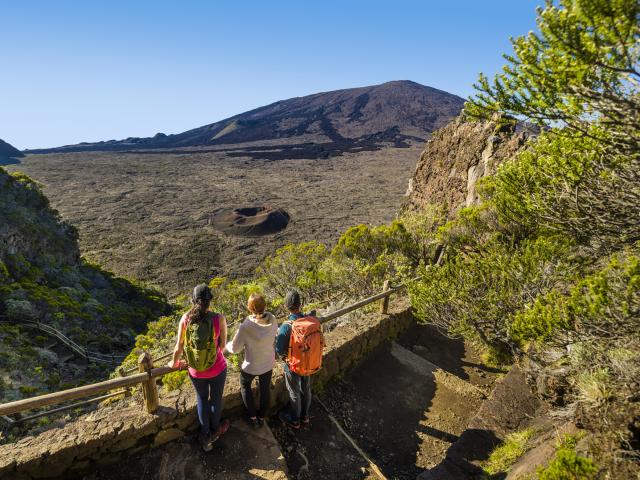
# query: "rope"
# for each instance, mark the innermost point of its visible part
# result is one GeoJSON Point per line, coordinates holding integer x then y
{"type": "Point", "coordinates": [362, 453]}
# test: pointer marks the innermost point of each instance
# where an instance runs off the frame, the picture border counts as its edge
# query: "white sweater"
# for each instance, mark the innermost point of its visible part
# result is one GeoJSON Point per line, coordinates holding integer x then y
{"type": "Point", "coordinates": [257, 340]}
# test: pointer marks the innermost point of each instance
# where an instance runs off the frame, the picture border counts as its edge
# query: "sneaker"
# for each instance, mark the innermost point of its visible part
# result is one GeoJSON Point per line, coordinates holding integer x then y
{"type": "Point", "coordinates": [285, 419]}
{"type": "Point", "coordinates": [254, 422]}
{"type": "Point", "coordinates": [305, 422]}
{"type": "Point", "coordinates": [205, 442]}
{"type": "Point", "coordinates": [222, 429]}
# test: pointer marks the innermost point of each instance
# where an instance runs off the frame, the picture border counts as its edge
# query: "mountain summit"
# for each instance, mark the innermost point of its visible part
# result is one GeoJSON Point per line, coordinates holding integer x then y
{"type": "Point", "coordinates": [396, 112]}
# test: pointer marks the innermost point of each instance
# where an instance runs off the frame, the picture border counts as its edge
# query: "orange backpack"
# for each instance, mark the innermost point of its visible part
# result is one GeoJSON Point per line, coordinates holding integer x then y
{"type": "Point", "coordinates": [305, 346]}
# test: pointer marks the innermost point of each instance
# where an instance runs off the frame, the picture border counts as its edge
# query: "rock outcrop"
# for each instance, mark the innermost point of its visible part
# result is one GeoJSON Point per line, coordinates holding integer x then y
{"type": "Point", "coordinates": [30, 228]}
{"type": "Point", "coordinates": [8, 153]}
{"type": "Point", "coordinates": [456, 157]}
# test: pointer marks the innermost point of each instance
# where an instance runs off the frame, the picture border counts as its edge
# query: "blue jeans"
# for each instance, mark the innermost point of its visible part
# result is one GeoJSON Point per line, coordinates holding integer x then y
{"type": "Point", "coordinates": [209, 392]}
{"type": "Point", "coordinates": [299, 388]}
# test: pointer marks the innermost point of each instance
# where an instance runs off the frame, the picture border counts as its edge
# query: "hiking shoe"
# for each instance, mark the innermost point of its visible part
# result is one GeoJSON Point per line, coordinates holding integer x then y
{"type": "Point", "coordinates": [305, 422]}
{"type": "Point", "coordinates": [285, 419]}
{"type": "Point", "coordinates": [205, 442]}
{"type": "Point", "coordinates": [222, 429]}
{"type": "Point", "coordinates": [254, 422]}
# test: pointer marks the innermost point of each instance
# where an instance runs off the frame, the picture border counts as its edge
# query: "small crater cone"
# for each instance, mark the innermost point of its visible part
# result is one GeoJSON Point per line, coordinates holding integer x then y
{"type": "Point", "coordinates": [250, 221]}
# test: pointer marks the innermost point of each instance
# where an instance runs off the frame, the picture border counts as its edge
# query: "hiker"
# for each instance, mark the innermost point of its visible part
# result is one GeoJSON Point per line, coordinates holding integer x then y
{"type": "Point", "coordinates": [200, 335]}
{"type": "Point", "coordinates": [299, 343]}
{"type": "Point", "coordinates": [256, 335]}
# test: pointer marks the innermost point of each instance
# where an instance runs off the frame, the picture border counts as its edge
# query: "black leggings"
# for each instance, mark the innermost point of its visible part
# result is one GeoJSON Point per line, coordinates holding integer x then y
{"type": "Point", "coordinates": [247, 394]}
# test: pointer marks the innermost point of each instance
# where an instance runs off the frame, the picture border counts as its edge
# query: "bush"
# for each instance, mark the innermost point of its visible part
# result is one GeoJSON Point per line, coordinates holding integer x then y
{"type": "Point", "coordinates": [230, 297]}
{"type": "Point", "coordinates": [573, 185]}
{"type": "Point", "coordinates": [477, 294]}
{"type": "Point", "coordinates": [21, 310]}
{"type": "Point", "coordinates": [567, 464]}
{"type": "Point", "coordinates": [174, 380]}
{"type": "Point", "coordinates": [293, 266]}
{"type": "Point", "coordinates": [4, 273]}
{"type": "Point", "coordinates": [508, 452]}
{"type": "Point", "coordinates": [605, 303]}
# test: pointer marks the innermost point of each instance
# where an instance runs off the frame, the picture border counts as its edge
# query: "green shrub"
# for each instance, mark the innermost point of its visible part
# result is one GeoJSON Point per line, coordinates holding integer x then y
{"type": "Point", "coordinates": [567, 464]}
{"type": "Point", "coordinates": [27, 390]}
{"type": "Point", "coordinates": [4, 273]}
{"type": "Point", "coordinates": [477, 293]}
{"type": "Point", "coordinates": [607, 300]}
{"type": "Point", "coordinates": [21, 310]}
{"type": "Point", "coordinates": [508, 452]}
{"type": "Point", "coordinates": [293, 266]}
{"type": "Point", "coordinates": [174, 380]}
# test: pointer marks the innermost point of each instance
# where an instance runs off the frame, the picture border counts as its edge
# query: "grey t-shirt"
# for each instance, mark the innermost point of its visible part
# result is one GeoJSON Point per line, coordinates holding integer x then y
{"type": "Point", "coordinates": [257, 340]}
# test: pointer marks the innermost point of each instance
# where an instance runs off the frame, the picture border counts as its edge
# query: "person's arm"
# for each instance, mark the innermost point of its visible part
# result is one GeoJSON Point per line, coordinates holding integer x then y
{"type": "Point", "coordinates": [237, 344]}
{"type": "Point", "coordinates": [178, 349]}
{"type": "Point", "coordinates": [282, 339]}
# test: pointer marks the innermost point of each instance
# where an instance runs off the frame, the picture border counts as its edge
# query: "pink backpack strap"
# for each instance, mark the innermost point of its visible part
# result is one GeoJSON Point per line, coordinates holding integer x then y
{"type": "Point", "coordinates": [216, 324]}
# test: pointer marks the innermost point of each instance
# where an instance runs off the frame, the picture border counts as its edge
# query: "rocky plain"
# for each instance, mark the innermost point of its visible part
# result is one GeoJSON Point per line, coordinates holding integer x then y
{"type": "Point", "coordinates": [148, 215]}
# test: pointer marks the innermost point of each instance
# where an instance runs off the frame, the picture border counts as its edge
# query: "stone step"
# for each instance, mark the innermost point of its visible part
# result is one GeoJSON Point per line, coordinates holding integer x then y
{"type": "Point", "coordinates": [453, 404]}
{"type": "Point", "coordinates": [424, 367]}
{"type": "Point", "coordinates": [242, 453]}
{"type": "Point", "coordinates": [452, 355]}
{"type": "Point", "coordinates": [510, 407]}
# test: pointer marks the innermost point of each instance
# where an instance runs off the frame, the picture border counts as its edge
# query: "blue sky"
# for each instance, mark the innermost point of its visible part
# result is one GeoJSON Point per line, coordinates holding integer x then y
{"type": "Point", "coordinates": [76, 71]}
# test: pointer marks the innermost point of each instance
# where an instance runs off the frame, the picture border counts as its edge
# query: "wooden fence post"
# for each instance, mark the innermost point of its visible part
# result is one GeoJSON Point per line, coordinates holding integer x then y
{"type": "Point", "coordinates": [384, 306]}
{"type": "Point", "coordinates": [149, 387]}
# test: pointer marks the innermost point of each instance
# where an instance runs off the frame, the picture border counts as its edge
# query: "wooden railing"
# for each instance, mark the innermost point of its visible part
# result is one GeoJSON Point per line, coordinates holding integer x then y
{"type": "Point", "coordinates": [147, 374]}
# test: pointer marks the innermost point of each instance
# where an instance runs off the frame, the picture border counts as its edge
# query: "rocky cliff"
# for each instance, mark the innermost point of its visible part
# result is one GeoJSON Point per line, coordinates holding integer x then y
{"type": "Point", "coordinates": [8, 153]}
{"type": "Point", "coordinates": [456, 157]}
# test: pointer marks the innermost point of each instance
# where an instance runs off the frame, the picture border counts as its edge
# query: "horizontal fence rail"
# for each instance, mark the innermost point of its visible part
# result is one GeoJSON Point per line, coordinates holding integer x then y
{"type": "Point", "coordinates": [83, 352]}
{"type": "Point", "coordinates": [147, 374]}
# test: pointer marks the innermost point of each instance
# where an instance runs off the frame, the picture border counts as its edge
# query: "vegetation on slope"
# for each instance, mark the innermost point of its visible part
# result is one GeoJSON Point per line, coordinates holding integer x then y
{"type": "Point", "coordinates": [43, 279]}
{"type": "Point", "coordinates": [547, 268]}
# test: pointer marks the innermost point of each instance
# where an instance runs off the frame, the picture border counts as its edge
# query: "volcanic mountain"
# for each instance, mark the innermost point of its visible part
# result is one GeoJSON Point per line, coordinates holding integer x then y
{"type": "Point", "coordinates": [355, 119]}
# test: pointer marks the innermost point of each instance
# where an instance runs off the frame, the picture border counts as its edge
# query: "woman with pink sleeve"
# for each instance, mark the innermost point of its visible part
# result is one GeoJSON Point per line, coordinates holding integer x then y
{"type": "Point", "coordinates": [201, 333]}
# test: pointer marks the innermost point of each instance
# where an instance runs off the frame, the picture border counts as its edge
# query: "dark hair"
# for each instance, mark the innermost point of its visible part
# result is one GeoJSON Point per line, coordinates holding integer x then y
{"type": "Point", "coordinates": [200, 301]}
{"type": "Point", "coordinates": [292, 300]}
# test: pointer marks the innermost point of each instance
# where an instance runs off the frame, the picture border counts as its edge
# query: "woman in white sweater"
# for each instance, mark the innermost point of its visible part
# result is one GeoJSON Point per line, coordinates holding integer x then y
{"type": "Point", "coordinates": [256, 335]}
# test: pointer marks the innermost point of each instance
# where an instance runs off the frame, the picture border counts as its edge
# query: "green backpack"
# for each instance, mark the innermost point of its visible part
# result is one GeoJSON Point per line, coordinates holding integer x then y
{"type": "Point", "coordinates": [200, 343]}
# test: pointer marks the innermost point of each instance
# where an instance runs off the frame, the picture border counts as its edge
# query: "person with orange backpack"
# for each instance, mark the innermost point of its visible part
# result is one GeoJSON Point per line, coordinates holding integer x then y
{"type": "Point", "coordinates": [299, 343]}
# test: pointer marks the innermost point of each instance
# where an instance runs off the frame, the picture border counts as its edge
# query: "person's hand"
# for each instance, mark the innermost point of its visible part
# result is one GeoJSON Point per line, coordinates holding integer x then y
{"type": "Point", "coordinates": [179, 364]}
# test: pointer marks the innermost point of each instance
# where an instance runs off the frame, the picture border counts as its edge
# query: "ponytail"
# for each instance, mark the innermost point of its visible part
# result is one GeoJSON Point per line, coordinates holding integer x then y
{"type": "Point", "coordinates": [198, 310]}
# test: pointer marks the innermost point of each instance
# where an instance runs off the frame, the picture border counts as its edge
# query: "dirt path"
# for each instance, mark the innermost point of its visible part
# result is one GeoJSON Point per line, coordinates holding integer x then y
{"type": "Point", "coordinates": [399, 406]}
